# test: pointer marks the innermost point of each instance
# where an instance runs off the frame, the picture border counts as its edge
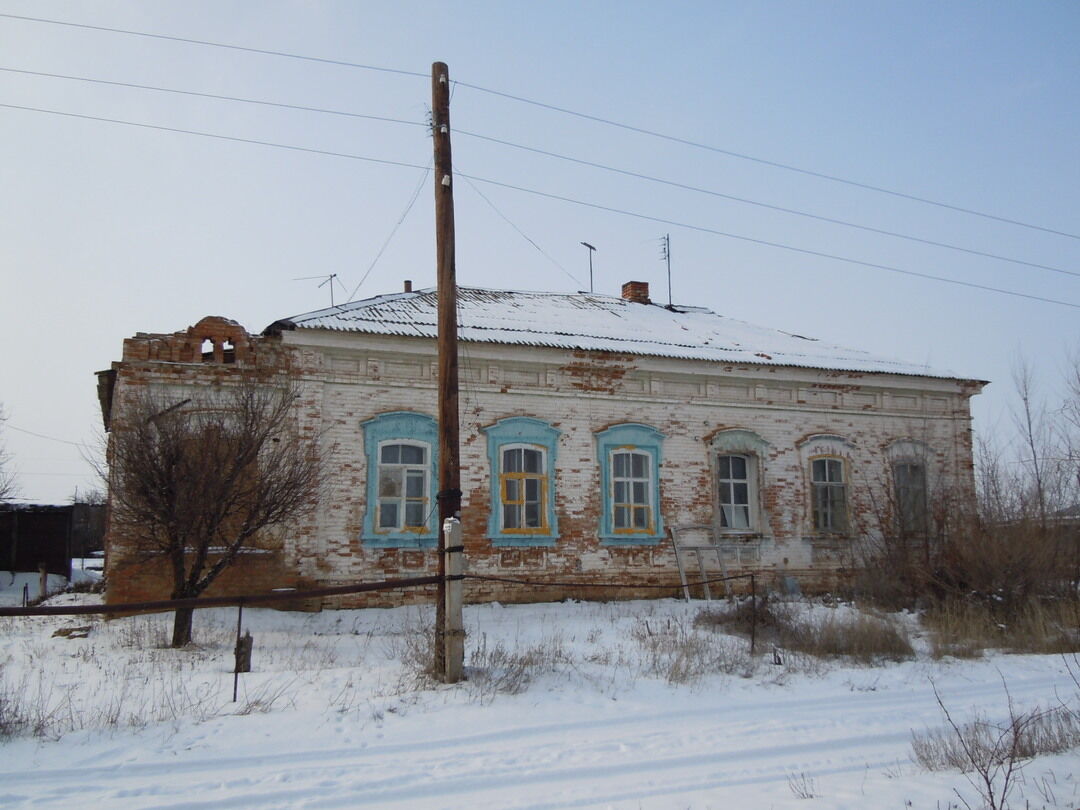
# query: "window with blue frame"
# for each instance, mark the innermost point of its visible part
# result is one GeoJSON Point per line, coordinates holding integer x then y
{"type": "Point", "coordinates": [401, 452]}
{"type": "Point", "coordinates": [521, 457]}
{"type": "Point", "coordinates": [629, 457]}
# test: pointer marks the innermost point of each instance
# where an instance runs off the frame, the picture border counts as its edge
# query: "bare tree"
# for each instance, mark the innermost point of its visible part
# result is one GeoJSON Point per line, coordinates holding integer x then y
{"type": "Point", "coordinates": [7, 478]}
{"type": "Point", "coordinates": [195, 482]}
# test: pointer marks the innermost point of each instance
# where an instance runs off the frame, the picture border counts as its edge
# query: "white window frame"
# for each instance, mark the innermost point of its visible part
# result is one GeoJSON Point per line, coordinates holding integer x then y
{"type": "Point", "coordinates": [750, 446]}
{"type": "Point", "coordinates": [410, 472]}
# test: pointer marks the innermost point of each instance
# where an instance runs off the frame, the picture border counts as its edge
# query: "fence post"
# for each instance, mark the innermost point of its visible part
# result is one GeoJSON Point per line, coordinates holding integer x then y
{"type": "Point", "coordinates": [43, 582]}
{"type": "Point", "coordinates": [454, 631]}
{"type": "Point", "coordinates": [753, 614]}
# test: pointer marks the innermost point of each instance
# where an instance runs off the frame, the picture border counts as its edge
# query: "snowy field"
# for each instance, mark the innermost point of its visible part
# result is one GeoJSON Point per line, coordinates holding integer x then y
{"type": "Point", "coordinates": [621, 705]}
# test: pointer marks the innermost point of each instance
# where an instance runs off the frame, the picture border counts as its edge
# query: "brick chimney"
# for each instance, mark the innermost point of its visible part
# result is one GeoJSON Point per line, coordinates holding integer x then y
{"type": "Point", "coordinates": [408, 285]}
{"type": "Point", "coordinates": [636, 291]}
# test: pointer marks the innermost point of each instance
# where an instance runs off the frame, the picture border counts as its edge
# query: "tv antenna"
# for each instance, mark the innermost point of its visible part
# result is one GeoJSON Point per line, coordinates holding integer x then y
{"type": "Point", "coordinates": [665, 255]}
{"type": "Point", "coordinates": [592, 250]}
{"type": "Point", "coordinates": [329, 278]}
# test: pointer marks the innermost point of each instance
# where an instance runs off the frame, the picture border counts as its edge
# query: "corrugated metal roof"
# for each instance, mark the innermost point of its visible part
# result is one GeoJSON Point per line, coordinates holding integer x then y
{"type": "Point", "coordinates": [598, 323]}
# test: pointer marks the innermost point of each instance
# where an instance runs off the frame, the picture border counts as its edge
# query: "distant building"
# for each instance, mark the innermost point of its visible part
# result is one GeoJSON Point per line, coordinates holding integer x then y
{"type": "Point", "coordinates": [32, 534]}
{"type": "Point", "coordinates": [590, 426]}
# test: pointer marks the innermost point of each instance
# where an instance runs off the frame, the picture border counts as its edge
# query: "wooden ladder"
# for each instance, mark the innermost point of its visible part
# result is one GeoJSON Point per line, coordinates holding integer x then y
{"type": "Point", "coordinates": [683, 542]}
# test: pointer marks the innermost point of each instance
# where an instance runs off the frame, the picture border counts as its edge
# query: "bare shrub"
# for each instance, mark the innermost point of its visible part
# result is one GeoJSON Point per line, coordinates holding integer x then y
{"type": "Point", "coordinates": [990, 754]}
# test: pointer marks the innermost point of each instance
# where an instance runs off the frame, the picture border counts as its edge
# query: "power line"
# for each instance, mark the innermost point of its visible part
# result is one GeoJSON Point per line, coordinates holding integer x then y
{"type": "Point", "coordinates": [232, 138]}
{"type": "Point", "coordinates": [556, 155]}
{"type": "Point", "coordinates": [43, 436]}
{"type": "Point", "coordinates": [208, 43]}
{"type": "Point", "coordinates": [807, 251]}
{"type": "Point", "coordinates": [216, 96]}
{"type": "Point", "coordinates": [765, 162]}
{"type": "Point", "coordinates": [771, 207]}
{"type": "Point", "coordinates": [394, 230]}
{"type": "Point", "coordinates": [597, 206]}
{"type": "Point", "coordinates": [556, 108]}
{"type": "Point", "coordinates": [522, 233]}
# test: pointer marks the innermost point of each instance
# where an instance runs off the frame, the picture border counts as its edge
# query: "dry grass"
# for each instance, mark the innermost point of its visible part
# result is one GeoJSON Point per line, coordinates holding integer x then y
{"type": "Point", "coordinates": [964, 628]}
{"type": "Point", "coordinates": [856, 636]}
{"type": "Point", "coordinates": [683, 652]}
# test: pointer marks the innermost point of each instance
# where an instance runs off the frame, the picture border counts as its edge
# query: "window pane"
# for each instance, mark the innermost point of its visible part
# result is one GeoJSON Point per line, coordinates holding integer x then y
{"type": "Point", "coordinates": [726, 518]}
{"type": "Point", "coordinates": [740, 517]}
{"type": "Point", "coordinates": [639, 465]}
{"type": "Point", "coordinates": [390, 482]}
{"type": "Point", "coordinates": [412, 454]}
{"type": "Point", "coordinates": [818, 470]}
{"type": "Point", "coordinates": [835, 470]}
{"type": "Point", "coordinates": [738, 467]}
{"type": "Point", "coordinates": [641, 517]}
{"type": "Point", "coordinates": [639, 492]}
{"type": "Point", "coordinates": [512, 460]}
{"type": "Point", "coordinates": [723, 467]}
{"type": "Point", "coordinates": [414, 513]}
{"type": "Point", "coordinates": [511, 516]}
{"type": "Point", "coordinates": [388, 515]}
{"type": "Point", "coordinates": [742, 494]}
{"type": "Point", "coordinates": [532, 489]}
{"type": "Point", "coordinates": [622, 517]}
{"type": "Point", "coordinates": [414, 484]}
{"type": "Point", "coordinates": [532, 461]}
{"type": "Point", "coordinates": [532, 516]}
{"type": "Point", "coordinates": [620, 492]}
{"type": "Point", "coordinates": [391, 453]}
{"type": "Point", "coordinates": [620, 465]}
{"type": "Point", "coordinates": [725, 492]}
{"type": "Point", "coordinates": [513, 489]}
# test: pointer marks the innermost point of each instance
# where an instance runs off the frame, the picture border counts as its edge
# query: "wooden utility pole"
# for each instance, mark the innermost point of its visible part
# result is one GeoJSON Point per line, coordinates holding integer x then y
{"type": "Point", "coordinates": [449, 495]}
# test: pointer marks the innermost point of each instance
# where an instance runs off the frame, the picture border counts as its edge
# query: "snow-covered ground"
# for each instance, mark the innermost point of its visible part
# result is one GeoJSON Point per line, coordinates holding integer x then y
{"type": "Point", "coordinates": [597, 709]}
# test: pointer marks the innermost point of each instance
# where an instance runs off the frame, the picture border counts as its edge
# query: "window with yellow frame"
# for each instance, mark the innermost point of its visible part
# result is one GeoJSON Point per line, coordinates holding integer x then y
{"type": "Point", "coordinates": [523, 488]}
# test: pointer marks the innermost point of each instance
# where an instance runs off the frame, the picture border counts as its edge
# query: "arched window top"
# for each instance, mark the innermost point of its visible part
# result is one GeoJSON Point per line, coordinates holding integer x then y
{"type": "Point", "coordinates": [630, 433]}
{"type": "Point", "coordinates": [825, 444]}
{"type": "Point", "coordinates": [907, 449]}
{"type": "Point", "coordinates": [524, 429]}
{"type": "Point", "coordinates": [738, 440]}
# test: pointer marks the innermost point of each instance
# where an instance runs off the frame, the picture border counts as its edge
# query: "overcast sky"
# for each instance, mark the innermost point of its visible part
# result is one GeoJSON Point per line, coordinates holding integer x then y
{"type": "Point", "coordinates": [108, 229]}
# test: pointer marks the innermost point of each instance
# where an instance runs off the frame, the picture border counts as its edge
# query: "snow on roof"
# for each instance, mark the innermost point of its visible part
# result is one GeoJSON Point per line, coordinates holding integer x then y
{"type": "Point", "coordinates": [593, 322]}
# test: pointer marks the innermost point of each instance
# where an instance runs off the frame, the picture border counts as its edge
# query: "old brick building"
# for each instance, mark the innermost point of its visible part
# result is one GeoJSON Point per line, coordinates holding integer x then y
{"type": "Point", "coordinates": [590, 425]}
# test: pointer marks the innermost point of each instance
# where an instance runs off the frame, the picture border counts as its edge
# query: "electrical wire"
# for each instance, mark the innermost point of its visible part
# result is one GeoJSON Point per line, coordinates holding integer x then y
{"type": "Point", "coordinates": [561, 198]}
{"type": "Point", "coordinates": [394, 230]}
{"type": "Point", "coordinates": [547, 153]}
{"type": "Point", "coordinates": [215, 96]}
{"type": "Point", "coordinates": [566, 111]}
{"type": "Point", "coordinates": [522, 233]}
{"type": "Point", "coordinates": [775, 164]}
{"type": "Point", "coordinates": [771, 207]}
{"type": "Point", "coordinates": [43, 436]}
{"type": "Point", "coordinates": [210, 44]}
{"type": "Point", "coordinates": [768, 243]}
{"type": "Point", "coordinates": [232, 138]}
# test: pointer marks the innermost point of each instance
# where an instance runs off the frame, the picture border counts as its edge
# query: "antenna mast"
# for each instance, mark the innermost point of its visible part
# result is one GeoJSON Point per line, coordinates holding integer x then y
{"type": "Point", "coordinates": [665, 254]}
{"type": "Point", "coordinates": [327, 279]}
{"type": "Point", "coordinates": [592, 250]}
